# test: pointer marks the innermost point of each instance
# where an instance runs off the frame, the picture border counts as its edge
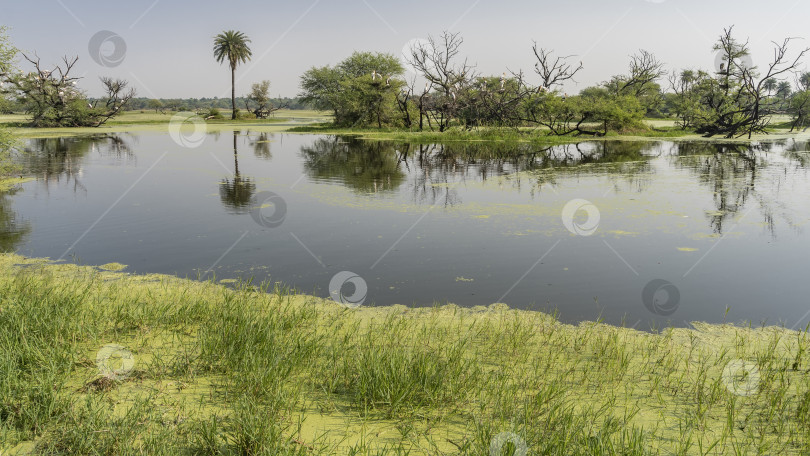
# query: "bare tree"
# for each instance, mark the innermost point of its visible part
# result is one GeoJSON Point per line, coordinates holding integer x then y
{"type": "Point", "coordinates": [553, 70]}
{"type": "Point", "coordinates": [117, 97]}
{"type": "Point", "coordinates": [645, 69]}
{"type": "Point", "coordinates": [52, 98]}
{"type": "Point", "coordinates": [779, 65]}
{"type": "Point", "coordinates": [438, 62]}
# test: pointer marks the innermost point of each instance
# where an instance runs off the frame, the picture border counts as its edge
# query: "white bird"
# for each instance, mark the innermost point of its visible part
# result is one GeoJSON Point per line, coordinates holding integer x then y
{"type": "Point", "coordinates": [89, 106]}
{"type": "Point", "coordinates": [388, 82]}
{"type": "Point", "coordinates": [374, 75]}
{"type": "Point", "coordinates": [453, 94]}
{"type": "Point", "coordinates": [722, 67]}
{"type": "Point", "coordinates": [74, 82]}
{"type": "Point", "coordinates": [426, 87]}
{"type": "Point", "coordinates": [503, 80]}
{"type": "Point", "coordinates": [565, 96]}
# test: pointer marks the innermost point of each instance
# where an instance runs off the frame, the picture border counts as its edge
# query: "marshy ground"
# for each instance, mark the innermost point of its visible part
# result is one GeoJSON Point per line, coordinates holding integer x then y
{"type": "Point", "coordinates": [99, 362]}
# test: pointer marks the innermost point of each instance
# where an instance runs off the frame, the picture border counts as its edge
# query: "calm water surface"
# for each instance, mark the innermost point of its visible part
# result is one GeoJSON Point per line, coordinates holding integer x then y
{"type": "Point", "coordinates": [701, 226]}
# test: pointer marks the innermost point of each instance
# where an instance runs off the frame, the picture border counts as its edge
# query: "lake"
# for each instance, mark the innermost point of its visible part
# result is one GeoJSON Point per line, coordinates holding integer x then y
{"type": "Point", "coordinates": [637, 233]}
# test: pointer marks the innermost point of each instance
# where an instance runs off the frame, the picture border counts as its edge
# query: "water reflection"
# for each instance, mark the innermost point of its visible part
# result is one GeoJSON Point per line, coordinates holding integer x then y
{"type": "Point", "coordinates": [13, 230]}
{"type": "Point", "coordinates": [236, 193]}
{"type": "Point", "coordinates": [733, 175]}
{"type": "Point", "coordinates": [53, 160]}
{"type": "Point", "coordinates": [362, 166]}
{"type": "Point", "coordinates": [432, 171]}
{"type": "Point", "coordinates": [365, 204]}
{"type": "Point", "coordinates": [261, 145]}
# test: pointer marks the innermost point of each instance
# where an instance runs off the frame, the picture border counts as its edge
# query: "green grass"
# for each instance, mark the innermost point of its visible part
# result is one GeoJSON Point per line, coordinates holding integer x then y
{"type": "Point", "coordinates": [319, 122]}
{"type": "Point", "coordinates": [260, 370]}
{"type": "Point", "coordinates": [137, 121]}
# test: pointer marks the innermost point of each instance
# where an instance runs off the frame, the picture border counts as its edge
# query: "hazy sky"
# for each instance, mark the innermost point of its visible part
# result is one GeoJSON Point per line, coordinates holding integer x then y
{"type": "Point", "coordinates": [169, 42]}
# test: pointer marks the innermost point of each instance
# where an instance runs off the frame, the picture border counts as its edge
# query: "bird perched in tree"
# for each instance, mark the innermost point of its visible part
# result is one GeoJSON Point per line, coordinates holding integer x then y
{"type": "Point", "coordinates": [374, 75]}
{"type": "Point", "coordinates": [427, 85]}
{"type": "Point", "coordinates": [453, 94]}
{"type": "Point", "coordinates": [565, 96]}
{"type": "Point", "coordinates": [722, 67]}
{"type": "Point", "coordinates": [503, 80]}
{"type": "Point", "coordinates": [388, 82]}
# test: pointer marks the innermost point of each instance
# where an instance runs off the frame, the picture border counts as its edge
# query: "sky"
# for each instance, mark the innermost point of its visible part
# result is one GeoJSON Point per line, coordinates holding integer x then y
{"type": "Point", "coordinates": [164, 47]}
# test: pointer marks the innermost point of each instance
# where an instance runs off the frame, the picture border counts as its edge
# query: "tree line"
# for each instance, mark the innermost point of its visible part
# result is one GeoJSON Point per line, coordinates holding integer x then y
{"type": "Point", "coordinates": [370, 89]}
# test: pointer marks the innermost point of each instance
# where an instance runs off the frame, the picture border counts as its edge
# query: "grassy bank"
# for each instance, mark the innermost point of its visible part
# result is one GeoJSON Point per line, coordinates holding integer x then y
{"type": "Point", "coordinates": [138, 121]}
{"type": "Point", "coordinates": [318, 122]}
{"type": "Point", "coordinates": [99, 362]}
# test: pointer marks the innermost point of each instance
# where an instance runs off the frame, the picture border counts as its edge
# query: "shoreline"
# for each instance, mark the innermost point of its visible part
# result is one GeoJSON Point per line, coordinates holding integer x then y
{"type": "Point", "coordinates": [312, 122]}
{"type": "Point", "coordinates": [333, 379]}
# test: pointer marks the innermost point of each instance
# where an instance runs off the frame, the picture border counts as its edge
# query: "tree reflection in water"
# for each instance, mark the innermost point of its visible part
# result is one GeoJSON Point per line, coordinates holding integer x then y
{"type": "Point", "coordinates": [236, 193]}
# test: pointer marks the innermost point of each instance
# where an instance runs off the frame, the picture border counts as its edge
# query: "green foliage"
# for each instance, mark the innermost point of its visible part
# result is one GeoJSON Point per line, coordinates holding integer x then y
{"type": "Point", "coordinates": [53, 99]}
{"type": "Point", "coordinates": [260, 97]}
{"type": "Point", "coordinates": [799, 108]}
{"type": "Point", "coordinates": [155, 104]}
{"type": "Point", "coordinates": [214, 113]}
{"type": "Point", "coordinates": [596, 111]}
{"type": "Point", "coordinates": [7, 54]}
{"type": "Point", "coordinates": [361, 90]}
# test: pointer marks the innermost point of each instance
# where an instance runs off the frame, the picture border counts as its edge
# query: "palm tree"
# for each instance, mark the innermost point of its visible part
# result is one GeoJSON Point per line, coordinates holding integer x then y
{"type": "Point", "coordinates": [232, 45]}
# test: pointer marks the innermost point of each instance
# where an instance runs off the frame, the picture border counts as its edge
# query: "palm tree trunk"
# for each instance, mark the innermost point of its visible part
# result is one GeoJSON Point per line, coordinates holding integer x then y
{"type": "Point", "coordinates": [233, 92]}
{"type": "Point", "coordinates": [235, 157]}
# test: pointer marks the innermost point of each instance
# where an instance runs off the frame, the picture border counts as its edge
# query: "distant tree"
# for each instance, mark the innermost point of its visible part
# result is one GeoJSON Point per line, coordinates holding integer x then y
{"type": "Point", "coordinates": [783, 90]}
{"type": "Point", "coordinates": [233, 47]}
{"type": "Point", "coordinates": [804, 80]}
{"type": "Point", "coordinates": [553, 70]}
{"type": "Point", "coordinates": [685, 103]}
{"type": "Point", "coordinates": [7, 55]}
{"type": "Point", "coordinates": [361, 90]}
{"type": "Point", "coordinates": [770, 86]}
{"type": "Point", "coordinates": [799, 108]}
{"type": "Point", "coordinates": [641, 81]}
{"type": "Point", "coordinates": [155, 104]}
{"type": "Point", "coordinates": [320, 88]}
{"type": "Point", "coordinates": [259, 96]}
{"type": "Point", "coordinates": [52, 98]}
{"type": "Point", "coordinates": [735, 101]}
{"type": "Point", "coordinates": [439, 62]}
